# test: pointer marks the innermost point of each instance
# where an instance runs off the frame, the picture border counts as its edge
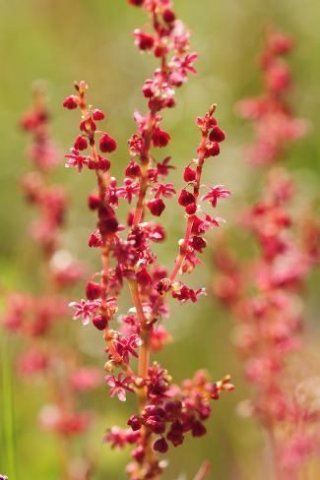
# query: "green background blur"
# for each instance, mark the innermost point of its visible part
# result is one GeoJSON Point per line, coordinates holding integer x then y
{"type": "Point", "coordinates": [60, 41]}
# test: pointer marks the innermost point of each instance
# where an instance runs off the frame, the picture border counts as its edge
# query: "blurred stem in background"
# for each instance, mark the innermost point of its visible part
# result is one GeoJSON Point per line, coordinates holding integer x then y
{"type": "Point", "coordinates": [7, 423]}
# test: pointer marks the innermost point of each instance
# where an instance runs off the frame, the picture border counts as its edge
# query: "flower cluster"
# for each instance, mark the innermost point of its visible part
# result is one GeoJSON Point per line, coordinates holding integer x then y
{"type": "Point", "coordinates": [38, 318]}
{"type": "Point", "coordinates": [167, 412]}
{"type": "Point", "coordinates": [264, 294]}
{"type": "Point", "coordinates": [274, 122]}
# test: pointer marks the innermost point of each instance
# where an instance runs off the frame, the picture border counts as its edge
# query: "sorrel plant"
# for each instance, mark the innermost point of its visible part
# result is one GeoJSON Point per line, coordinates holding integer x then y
{"type": "Point", "coordinates": [39, 317]}
{"type": "Point", "coordinates": [166, 412]}
{"type": "Point", "coordinates": [265, 293]}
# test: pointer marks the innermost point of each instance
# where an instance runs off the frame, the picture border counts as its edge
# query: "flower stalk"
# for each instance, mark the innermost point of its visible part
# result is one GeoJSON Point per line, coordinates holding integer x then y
{"type": "Point", "coordinates": [166, 411]}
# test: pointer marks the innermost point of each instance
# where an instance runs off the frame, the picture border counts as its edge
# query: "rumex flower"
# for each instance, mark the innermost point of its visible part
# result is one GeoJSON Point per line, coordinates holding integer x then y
{"type": "Point", "coordinates": [76, 160]}
{"type": "Point", "coordinates": [128, 190]}
{"type": "Point", "coordinates": [219, 191]}
{"type": "Point", "coordinates": [126, 347]}
{"type": "Point", "coordinates": [264, 292]}
{"type": "Point", "coordinates": [167, 412]}
{"type": "Point", "coordinates": [85, 378]}
{"type": "Point", "coordinates": [275, 124]}
{"type": "Point", "coordinates": [165, 190]}
{"type": "Point", "coordinates": [85, 310]}
{"type": "Point", "coordinates": [120, 438]}
{"type": "Point", "coordinates": [119, 386]}
{"type": "Point", "coordinates": [39, 317]}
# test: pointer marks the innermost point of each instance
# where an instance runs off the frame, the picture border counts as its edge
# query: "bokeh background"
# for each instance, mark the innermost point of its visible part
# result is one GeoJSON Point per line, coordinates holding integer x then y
{"type": "Point", "coordinates": [60, 41]}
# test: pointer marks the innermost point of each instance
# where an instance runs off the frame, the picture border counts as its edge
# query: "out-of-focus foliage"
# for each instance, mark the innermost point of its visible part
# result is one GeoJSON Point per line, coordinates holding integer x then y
{"type": "Point", "coordinates": [60, 41]}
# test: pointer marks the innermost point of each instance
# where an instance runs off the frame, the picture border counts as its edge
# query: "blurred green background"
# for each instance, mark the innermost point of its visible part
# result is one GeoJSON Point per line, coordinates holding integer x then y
{"type": "Point", "coordinates": [60, 41]}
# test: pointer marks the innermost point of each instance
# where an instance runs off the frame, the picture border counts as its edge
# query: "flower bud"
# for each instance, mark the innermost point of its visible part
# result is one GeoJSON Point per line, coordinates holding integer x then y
{"type": "Point", "coordinates": [104, 164]}
{"type": "Point", "coordinates": [160, 445]}
{"type": "Point", "coordinates": [189, 174]}
{"type": "Point", "coordinates": [144, 41]}
{"type": "Point", "coordinates": [191, 209]}
{"type": "Point", "coordinates": [198, 243]}
{"type": "Point", "coordinates": [138, 454]}
{"type": "Point", "coordinates": [133, 170]}
{"type": "Point", "coordinates": [80, 143]}
{"type": "Point", "coordinates": [186, 198]}
{"type": "Point", "coordinates": [107, 144]}
{"type": "Point", "coordinates": [94, 240]}
{"type": "Point", "coordinates": [143, 277]}
{"type": "Point", "coordinates": [160, 138]}
{"type": "Point", "coordinates": [173, 408]}
{"type": "Point", "coordinates": [93, 290]}
{"type": "Point", "coordinates": [198, 429]}
{"type": "Point", "coordinates": [71, 102]}
{"type": "Point", "coordinates": [93, 201]}
{"type": "Point", "coordinates": [156, 206]}
{"type": "Point", "coordinates": [168, 15]}
{"type": "Point", "coordinates": [98, 115]}
{"type": "Point", "coordinates": [136, 3]}
{"type": "Point", "coordinates": [88, 126]}
{"type": "Point", "coordinates": [217, 135]}
{"type": "Point", "coordinates": [100, 322]}
{"type": "Point", "coordinates": [156, 424]}
{"type": "Point", "coordinates": [212, 150]}
{"type": "Point", "coordinates": [134, 422]}
{"type": "Point", "coordinates": [108, 225]}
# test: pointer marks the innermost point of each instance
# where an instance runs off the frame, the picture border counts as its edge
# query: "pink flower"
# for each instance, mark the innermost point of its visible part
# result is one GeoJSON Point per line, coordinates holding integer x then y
{"type": "Point", "coordinates": [119, 386]}
{"type": "Point", "coordinates": [85, 378]}
{"type": "Point", "coordinates": [129, 189]}
{"type": "Point", "coordinates": [65, 423]}
{"type": "Point", "coordinates": [127, 346]}
{"type": "Point", "coordinates": [219, 191]}
{"type": "Point", "coordinates": [120, 438]}
{"type": "Point", "coordinates": [164, 189]}
{"type": "Point", "coordinates": [32, 362]}
{"type": "Point", "coordinates": [183, 293]}
{"type": "Point", "coordinates": [76, 160]}
{"type": "Point", "coordinates": [164, 167]}
{"type": "Point", "coordinates": [85, 310]}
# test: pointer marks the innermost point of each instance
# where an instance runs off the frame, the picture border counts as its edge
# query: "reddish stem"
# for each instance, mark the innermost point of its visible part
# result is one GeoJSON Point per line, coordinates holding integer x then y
{"type": "Point", "coordinates": [203, 471]}
{"type": "Point", "coordinates": [196, 190]}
